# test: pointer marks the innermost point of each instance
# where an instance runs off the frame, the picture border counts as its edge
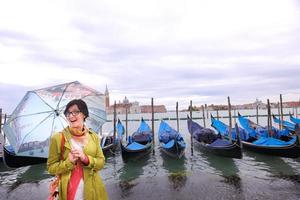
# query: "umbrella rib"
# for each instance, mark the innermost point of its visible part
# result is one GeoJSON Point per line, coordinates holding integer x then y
{"type": "Point", "coordinates": [36, 126]}
{"type": "Point", "coordinates": [52, 123]}
{"type": "Point", "coordinates": [62, 95]}
{"type": "Point", "coordinates": [44, 101]}
{"type": "Point", "coordinates": [62, 108]}
{"type": "Point", "coordinates": [97, 116]}
{"type": "Point", "coordinates": [62, 124]}
{"type": "Point", "coordinates": [97, 94]}
{"type": "Point", "coordinates": [27, 115]}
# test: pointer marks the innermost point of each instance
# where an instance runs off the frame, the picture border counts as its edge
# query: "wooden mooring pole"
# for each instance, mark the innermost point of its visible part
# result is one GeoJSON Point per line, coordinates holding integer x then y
{"type": "Point", "coordinates": [177, 116]}
{"type": "Point", "coordinates": [0, 121]}
{"type": "Point", "coordinates": [234, 116]}
{"type": "Point", "coordinates": [279, 115]}
{"type": "Point", "coordinates": [207, 116]}
{"type": "Point", "coordinates": [152, 110]}
{"type": "Point", "coordinates": [126, 124]}
{"type": "Point", "coordinates": [2, 142]}
{"type": "Point", "coordinates": [5, 118]}
{"type": "Point", "coordinates": [230, 119]}
{"type": "Point", "coordinates": [191, 115]}
{"type": "Point", "coordinates": [281, 112]}
{"type": "Point", "coordinates": [114, 121]}
{"type": "Point", "coordinates": [203, 116]}
{"type": "Point", "coordinates": [269, 119]}
{"type": "Point", "coordinates": [257, 114]}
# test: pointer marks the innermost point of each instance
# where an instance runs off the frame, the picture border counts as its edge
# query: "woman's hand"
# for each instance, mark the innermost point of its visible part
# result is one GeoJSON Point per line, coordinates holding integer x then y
{"type": "Point", "coordinates": [78, 154]}
{"type": "Point", "coordinates": [72, 158]}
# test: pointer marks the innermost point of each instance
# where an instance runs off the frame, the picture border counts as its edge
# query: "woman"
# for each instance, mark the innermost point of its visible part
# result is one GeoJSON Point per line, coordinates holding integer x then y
{"type": "Point", "coordinates": [82, 157]}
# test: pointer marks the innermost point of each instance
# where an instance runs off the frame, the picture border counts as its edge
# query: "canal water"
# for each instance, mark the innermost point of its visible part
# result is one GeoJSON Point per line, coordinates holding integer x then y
{"type": "Point", "coordinates": [198, 176]}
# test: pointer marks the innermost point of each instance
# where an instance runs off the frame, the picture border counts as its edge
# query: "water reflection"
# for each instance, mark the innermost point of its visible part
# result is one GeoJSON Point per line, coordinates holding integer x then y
{"type": "Point", "coordinates": [177, 173]}
{"type": "Point", "coordinates": [131, 170]}
{"type": "Point", "coordinates": [12, 178]}
{"type": "Point", "coordinates": [275, 166]}
{"type": "Point", "coordinates": [3, 167]}
{"type": "Point", "coordinates": [225, 167]}
{"type": "Point", "coordinates": [35, 173]}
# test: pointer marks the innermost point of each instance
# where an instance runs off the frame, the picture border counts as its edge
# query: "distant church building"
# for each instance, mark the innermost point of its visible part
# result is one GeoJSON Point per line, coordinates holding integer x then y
{"type": "Point", "coordinates": [106, 94]}
{"type": "Point", "coordinates": [131, 107]}
{"type": "Point", "coordinates": [258, 104]}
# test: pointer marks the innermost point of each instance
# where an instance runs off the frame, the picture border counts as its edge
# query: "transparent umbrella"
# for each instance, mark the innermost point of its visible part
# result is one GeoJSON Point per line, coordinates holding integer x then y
{"type": "Point", "coordinates": [40, 114]}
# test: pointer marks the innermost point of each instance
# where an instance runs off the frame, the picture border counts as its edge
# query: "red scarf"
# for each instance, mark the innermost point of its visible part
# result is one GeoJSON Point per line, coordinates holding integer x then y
{"type": "Point", "coordinates": [77, 172]}
{"type": "Point", "coordinates": [76, 175]}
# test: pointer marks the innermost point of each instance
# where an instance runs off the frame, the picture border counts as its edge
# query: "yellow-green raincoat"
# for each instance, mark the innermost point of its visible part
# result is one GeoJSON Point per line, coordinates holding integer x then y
{"type": "Point", "coordinates": [94, 188]}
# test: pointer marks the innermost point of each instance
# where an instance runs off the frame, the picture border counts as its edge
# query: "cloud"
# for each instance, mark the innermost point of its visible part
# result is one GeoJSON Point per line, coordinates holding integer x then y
{"type": "Point", "coordinates": [11, 96]}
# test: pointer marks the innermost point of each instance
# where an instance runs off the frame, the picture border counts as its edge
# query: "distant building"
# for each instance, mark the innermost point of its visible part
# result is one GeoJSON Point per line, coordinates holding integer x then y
{"type": "Point", "coordinates": [120, 108]}
{"type": "Point", "coordinates": [126, 101]}
{"type": "Point", "coordinates": [135, 107]}
{"type": "Point", "coordinates": [106, 94]}
{"type": "Point", "coordinates": [259, 104]}
{"type": "Point", "coordinates": [156, 108]}
{"type": "Point", "coordinates": [131, 107]}
{"type": "Point", "coordinates": [291, 104]}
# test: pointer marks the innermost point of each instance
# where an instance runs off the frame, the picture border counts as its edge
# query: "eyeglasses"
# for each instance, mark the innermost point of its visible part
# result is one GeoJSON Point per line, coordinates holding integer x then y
{"type": "Point", "coordinates": [73, 113]}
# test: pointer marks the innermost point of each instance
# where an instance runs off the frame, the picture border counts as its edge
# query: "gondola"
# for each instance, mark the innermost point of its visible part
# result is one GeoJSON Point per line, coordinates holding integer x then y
{"type": "Point", "coordinates": [294, 119]}
{"type": "Point", "coordinates": [253, 141]}
{"type": "Point", "coordinates": [109, 142]}
{"type": "Point", "coordinates": [139, 144]}
{"type": "Point", "coordinates": [171, 142]}
{"type": "Point", "coordinates": [206, 139]}
{"type": "Point", "coordinates": [1, 146]}
{"type": "Point", "coordinates": [255, 131]}
{"type": "Point", "coordinates": [11, 160]}
{"type": "Point", "coordinates": [288, 125]}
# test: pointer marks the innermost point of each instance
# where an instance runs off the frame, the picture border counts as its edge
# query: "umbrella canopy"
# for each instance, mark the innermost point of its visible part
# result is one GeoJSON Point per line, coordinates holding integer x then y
{"type": "Point", "coordinates": [40, 114]}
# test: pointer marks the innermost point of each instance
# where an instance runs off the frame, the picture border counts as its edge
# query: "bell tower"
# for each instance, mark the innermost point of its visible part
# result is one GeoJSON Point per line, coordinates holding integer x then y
{"type": "Point", "coordinates": [106, 94]}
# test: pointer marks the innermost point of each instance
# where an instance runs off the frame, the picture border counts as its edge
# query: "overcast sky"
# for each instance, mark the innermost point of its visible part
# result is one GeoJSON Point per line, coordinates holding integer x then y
{"type": "Point", "coordinates": [171, 50]}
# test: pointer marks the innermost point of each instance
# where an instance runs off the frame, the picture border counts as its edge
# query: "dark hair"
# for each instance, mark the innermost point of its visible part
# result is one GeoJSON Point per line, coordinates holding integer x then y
{"type": "Point", "coordinates": [81, 106]}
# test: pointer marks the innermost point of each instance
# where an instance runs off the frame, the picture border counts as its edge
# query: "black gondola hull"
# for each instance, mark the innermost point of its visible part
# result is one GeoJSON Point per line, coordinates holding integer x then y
{"type": "Point", "coordinates": [232, 151]}
{"type": "Point", "coordinates": [290, 151]}
{"type": "Point", "coordinates": [176, 151]}
{"type": "Point", "coordinates": [135, 154]}
{"type": "Point", "coordinates": [110, 149]}
{"type": "Point", "coordinates": [13, 161]}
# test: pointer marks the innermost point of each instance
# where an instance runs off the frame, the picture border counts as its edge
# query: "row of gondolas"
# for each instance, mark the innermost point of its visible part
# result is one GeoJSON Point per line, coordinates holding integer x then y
{"type": "Point", "coordinates": [226, 141]}
{"type": "Point", "coordinates": [140, 143]}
